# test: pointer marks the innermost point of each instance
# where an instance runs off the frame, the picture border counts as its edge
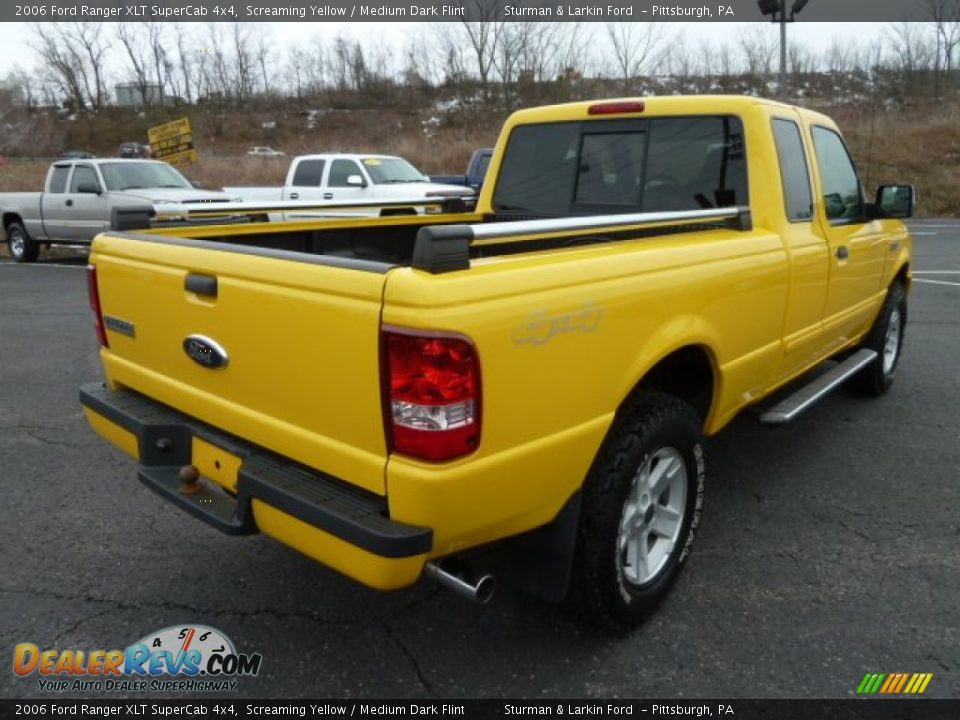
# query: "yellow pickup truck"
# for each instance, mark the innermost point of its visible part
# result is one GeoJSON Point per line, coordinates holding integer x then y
{"type": "Point", "coordinates": [520, 391]}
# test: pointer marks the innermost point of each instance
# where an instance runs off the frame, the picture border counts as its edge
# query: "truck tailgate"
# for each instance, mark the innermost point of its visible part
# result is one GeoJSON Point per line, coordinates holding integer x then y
{"type": "Point", "coordinates": [300, 335]}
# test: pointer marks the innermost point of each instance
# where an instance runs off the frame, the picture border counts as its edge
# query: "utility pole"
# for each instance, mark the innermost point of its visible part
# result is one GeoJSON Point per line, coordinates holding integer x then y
{"type": "Point", "coordinates": [782, 84]}
{"type": "Point", "coordinates": [777, 10]}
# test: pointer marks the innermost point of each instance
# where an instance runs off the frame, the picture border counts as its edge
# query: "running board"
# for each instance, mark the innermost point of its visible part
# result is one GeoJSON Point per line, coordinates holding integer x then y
{"type": "Point", "coordinates": [788, 409]}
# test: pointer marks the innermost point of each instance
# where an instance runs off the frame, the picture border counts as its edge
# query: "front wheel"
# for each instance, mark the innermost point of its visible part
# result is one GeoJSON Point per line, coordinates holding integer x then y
{"type": "Point", "coordinates": [22, 247]}
{"type": "Point", "coordinates": [642, 501]}
{"type": "Point", "coordinates": [886, 339]}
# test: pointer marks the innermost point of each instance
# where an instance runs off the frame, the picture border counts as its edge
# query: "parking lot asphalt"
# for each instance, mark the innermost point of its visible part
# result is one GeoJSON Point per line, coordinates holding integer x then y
{"type": "Point", "coordinates": [829, 548]}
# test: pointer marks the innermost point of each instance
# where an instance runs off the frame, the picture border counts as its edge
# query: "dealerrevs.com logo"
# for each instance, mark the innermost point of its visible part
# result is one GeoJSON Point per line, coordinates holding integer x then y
{"type": "Point", "coordinates": [187, 658]}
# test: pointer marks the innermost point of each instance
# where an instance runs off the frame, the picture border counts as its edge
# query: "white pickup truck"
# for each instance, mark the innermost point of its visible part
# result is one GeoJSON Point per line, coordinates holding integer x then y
{"type": "Point", "coordinates": [340, 178]}
{"type": "Point", "coordinates": [81, 198]}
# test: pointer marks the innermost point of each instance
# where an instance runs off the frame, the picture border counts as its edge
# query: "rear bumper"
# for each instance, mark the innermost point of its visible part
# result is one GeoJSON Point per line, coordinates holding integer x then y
{"type": "Point", "coordinates": [337, 524]}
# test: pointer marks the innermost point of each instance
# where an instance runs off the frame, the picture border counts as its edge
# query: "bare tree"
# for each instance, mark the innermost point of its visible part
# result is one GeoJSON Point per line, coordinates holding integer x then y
{"type": "Point", "coordinates": [912, 56]}
{"type": "Point", "coordinates": [134, 47]}
{"type": "Point", "coordinates": [156, 39]}
{"type": "Point", "coordinates": [421, 66]}
{"type": "Point", "coordinates": [635, 48]}
{"type": "Point", "coordinates": [72, 57]}
{"type": "Point", "coordinates": [759, 48]}
{"type": "Point", "coordinates": [482, 37]}
{"type": "Point", "coordinates": [185, 63]}
{"type": "Point", "coordinates": [263, 59]}
{"type": "Point", "coordinates": [946, 26]}
{"type": "Point", "coordinates": [242, 62]}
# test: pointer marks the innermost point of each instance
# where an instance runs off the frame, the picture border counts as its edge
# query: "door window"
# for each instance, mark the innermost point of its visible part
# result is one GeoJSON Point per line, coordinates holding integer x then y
{"type": "Point", "coordinates": [83, 174]}
{"type": "Point", "coordinates": [340, 170]}
{"type": "Point", "coordinates": [842, 197]}
{"type": "Point", "coordinates": [308, 173]}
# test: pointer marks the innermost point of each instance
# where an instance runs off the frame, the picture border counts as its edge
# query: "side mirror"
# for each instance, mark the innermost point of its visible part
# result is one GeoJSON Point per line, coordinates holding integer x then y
{"type": "Point", "coordinates": [897, 200]}
{"type": "Point", "coordinates": [355, 181]}
{"type": "Point", "coordinates": [197, 184]}
{"type": "Point", "coordinates": [834, 205]}
{"type": "Point", "coordinates": [88, 188]}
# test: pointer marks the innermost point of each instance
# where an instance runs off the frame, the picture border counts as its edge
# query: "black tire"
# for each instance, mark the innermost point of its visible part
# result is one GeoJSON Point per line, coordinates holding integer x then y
{"type": "Point", "coordinates": [22, 247]}
{"type": "Point", "coordinates": [602, 589]}
{"type": "Point", "coordinates": [877, 377]}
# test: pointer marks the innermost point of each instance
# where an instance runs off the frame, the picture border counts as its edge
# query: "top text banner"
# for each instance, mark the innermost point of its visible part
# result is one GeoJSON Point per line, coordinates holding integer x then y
{"type": "Point", "coordinates": [455, 11]}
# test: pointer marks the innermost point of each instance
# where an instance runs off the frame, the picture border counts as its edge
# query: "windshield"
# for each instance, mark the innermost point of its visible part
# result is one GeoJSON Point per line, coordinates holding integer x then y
{"type": "Point", "coordinates": [135, 175]}
{"type": "Point", "coordinates": [383, 171]}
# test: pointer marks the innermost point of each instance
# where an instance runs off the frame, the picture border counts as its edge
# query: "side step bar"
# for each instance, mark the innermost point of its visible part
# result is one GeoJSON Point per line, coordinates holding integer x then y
{"type": "Point", "coordinates": [786, 410]}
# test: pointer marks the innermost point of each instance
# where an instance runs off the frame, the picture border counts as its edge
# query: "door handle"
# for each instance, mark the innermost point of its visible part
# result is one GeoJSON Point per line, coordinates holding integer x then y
{"type": "Point", "coordinates": [294, 196]}
{"type": "Point", "coordinates": [842, 252]}
{"type": "Point", "coordinates": [201, 284]}
{"type": "Point", "coordinates": [69, 203]}
{"type": "Point", "coordinates": [328, 196]}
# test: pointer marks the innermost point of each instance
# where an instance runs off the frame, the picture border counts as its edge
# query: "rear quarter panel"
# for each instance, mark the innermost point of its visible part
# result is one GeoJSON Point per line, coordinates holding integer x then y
{"type": "Point", "coordinates": [562, 339]}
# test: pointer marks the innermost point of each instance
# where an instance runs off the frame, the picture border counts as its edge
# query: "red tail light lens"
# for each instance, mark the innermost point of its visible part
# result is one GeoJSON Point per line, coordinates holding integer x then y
{"type": "Point", "coordinates": [615, 108]}
{"type": "Point", "coordinates": [93, 290]}
{"type": "Point", "coordinates": [431, 392]}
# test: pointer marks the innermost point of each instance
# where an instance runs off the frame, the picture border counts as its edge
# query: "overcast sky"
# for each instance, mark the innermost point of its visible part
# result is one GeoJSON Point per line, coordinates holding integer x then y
{"type": "Point", "coordinates": [15, 49]}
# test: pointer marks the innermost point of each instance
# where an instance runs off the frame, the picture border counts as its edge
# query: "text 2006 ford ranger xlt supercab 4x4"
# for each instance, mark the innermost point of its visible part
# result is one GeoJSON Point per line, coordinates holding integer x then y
{"type": "Point", "coordinates": [527, 385]}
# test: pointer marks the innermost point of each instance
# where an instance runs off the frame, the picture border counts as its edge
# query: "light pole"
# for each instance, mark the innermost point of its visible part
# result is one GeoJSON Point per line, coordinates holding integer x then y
{"type": "Point", "coordinates": [777, 10]}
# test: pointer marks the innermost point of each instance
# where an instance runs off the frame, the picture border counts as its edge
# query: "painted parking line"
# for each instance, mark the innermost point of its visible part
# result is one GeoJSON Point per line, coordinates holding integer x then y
{"type": "Point", "coordinates": [936, 282]}
{"type": "Point", "coordinates": [41, 265]}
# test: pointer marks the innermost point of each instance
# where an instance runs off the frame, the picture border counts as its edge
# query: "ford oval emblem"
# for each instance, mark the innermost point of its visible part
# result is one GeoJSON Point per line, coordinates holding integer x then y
{"type": "Point", "coordinates": [204, 351]}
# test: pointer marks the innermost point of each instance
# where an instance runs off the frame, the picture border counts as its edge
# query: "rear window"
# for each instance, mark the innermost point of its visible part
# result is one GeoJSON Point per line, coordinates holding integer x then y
{"type": "Point", "coordinates": [616, 166]}
{"type": "Point", "coordinates": [58, 179]}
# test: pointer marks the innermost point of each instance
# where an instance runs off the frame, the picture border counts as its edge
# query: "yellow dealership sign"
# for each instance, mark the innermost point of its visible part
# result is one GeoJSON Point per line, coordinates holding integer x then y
{"type": "Point", "coordinates": [173, 142]}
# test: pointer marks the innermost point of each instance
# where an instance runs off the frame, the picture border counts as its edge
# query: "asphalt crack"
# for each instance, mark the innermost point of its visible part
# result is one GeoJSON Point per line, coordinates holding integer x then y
{"type": "Point", "coordinates": [417, 670]}
{"type": "Point", "coordinates": [77, 624]}
{"type": "Point", "coordinates": [841, 523]}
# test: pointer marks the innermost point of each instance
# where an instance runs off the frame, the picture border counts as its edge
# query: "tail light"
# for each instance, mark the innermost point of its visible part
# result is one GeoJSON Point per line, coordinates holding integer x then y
{"type": "Point", "coordinates": [431, 394]}
{"type": "Point", "coordinates": [93, 291]}
{"type": "Point", "coordinates": [617, 107]}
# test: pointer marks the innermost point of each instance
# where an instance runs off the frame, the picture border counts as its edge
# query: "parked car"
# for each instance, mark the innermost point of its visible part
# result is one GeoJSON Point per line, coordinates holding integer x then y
{"type": "Point", "coordinates": [80, 197]}
{"type": "Point", "coordinates": [476, 171]}
{"type": "Point", "coordinates": [134, 150]}
{"type": "Point", "coordinates": [531, 381]}
{"type": "Point", "coordinates": [360, 178]}
{"type": "Point", "coordinates": [265, 152]}
{"type": "Point", "coordinates": [77, 155]}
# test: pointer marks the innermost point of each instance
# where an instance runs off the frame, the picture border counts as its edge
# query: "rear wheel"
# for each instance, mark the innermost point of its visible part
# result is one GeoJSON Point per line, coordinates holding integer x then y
{"type": "Point", "coordinates": [886, 339]}
{"type": "Point", "coordinates": [641, 508]}
{"type": "Point", "coordinates": [22, 247]}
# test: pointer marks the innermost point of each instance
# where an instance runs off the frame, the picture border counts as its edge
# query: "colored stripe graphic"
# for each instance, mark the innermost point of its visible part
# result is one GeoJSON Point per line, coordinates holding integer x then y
{"type": "Point", "coordinates": [903, 681]}
{"type": "Point", "coordinates": [894, 683]}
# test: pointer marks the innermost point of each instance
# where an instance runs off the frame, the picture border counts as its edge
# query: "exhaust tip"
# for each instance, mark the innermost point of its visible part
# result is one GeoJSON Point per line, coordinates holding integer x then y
{"type": "Point", "coordinates": [462, 581]}
{"type": "Point", "coordinates": [485, 588]}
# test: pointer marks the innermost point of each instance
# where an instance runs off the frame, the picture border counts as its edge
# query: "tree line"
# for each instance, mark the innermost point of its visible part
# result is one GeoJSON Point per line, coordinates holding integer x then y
{"type": "Point", "coordinates": [78, 64]}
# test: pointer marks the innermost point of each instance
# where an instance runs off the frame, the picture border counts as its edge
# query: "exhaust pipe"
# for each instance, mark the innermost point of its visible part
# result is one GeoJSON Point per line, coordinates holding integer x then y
{"type": "Point", "coordinates": [460, 580]}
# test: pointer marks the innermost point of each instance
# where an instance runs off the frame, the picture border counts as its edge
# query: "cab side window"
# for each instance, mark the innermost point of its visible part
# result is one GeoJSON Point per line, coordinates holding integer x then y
{"type": "Point", "coordinates": [58, 180]}
{"type": "Point", "coordinates": [842, 197]}
{"type": "Point", "coordinates": [794, 173]}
